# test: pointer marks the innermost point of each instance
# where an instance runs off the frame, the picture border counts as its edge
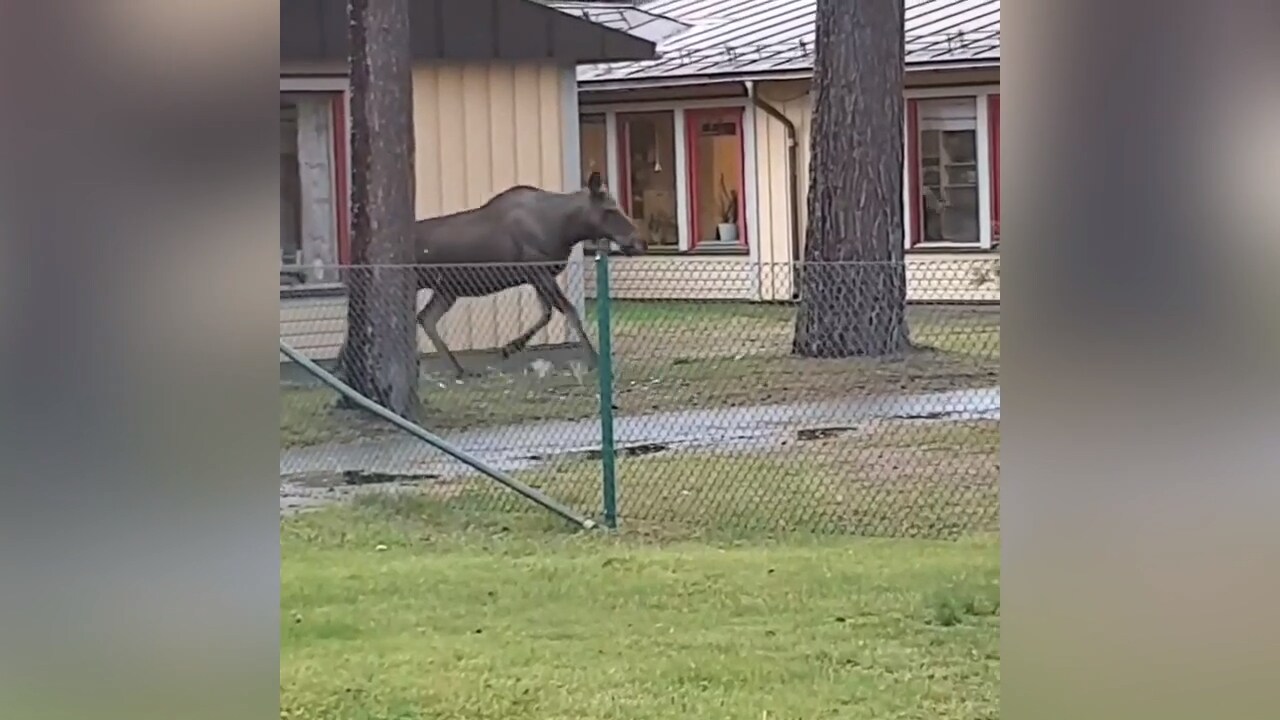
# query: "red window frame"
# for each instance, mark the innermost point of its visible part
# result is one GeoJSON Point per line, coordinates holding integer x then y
{"type": "Point", "coordinates": [993, 140]}
{"type": "Point", "coordinates": [916, 219]}
{"type": "Point", "coordinates": [692, 118]}
{"type": "Point", "coordinates": [342, 176]}
{"type": "Point", "coordinates": [916, 209]}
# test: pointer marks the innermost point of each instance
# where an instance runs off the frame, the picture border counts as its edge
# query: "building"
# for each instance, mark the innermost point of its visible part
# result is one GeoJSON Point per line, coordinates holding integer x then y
{"type": "Point", "coordinates": [495, 104]}
{"type": "Point", "coordinates": [708, 145]}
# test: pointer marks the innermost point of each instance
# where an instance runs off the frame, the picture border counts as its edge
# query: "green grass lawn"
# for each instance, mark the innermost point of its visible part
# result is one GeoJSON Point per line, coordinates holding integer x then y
{"type": "Point", "coordinates": [717, 598]}
{"type": "Point", "coordinates": [393, 610]}
{"type": "Point", "coordinates": [681, 355]}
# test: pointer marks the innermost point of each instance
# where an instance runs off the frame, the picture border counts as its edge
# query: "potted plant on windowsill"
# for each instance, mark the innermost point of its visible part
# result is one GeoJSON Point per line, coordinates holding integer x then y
{"type": "Point", "coordinates": [727, 228]}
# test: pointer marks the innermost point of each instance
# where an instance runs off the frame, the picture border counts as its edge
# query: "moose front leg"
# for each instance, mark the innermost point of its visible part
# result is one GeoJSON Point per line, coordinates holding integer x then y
{"type": "Point", "coordinates": [519, 343]}
{"type": "Point", "coordinates": [558, 300]}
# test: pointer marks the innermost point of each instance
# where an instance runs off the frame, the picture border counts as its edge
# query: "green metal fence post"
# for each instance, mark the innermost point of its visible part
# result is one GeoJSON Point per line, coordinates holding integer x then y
{"type": "Point", "coordinates": [608, 459]}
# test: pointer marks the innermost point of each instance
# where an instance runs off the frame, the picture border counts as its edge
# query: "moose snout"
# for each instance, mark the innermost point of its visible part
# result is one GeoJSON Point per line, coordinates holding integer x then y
{"type": "Point", "coordinates": [633, 245]}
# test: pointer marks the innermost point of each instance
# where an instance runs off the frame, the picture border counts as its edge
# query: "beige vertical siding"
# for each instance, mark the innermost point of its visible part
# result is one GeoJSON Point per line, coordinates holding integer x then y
{"type": "Point", "coordinates": [479, 128]}
{"type": "Point", "coordinates": [792, 99]}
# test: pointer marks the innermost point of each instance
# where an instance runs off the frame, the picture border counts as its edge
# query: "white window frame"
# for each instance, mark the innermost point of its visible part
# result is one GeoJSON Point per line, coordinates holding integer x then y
{"type": "Point", "coordinates": [326, 84]}
{"type": "Point", "coordinates": [294, 84]}
{"type": "Point", "coordinates": [749, 174]}
{"type": "Point", "coordinates": [980, 95]}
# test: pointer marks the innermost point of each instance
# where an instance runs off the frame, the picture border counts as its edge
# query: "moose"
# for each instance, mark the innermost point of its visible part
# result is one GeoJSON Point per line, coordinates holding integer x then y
{"type": "Point", "coordinates": [521, 236]}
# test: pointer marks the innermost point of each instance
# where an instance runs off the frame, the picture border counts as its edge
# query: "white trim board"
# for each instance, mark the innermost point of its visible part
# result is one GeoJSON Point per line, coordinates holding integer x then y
{"type": "Point", "coordinates": [571, 155]}
{"type": "Point", "coordinates": [956, 91]}
{"type": "Point", "coordinates": [684, 233]}
{"type": "Point", "coordinates": [983, 149]}
{"type": "Point", "coordinates": [293, 83]}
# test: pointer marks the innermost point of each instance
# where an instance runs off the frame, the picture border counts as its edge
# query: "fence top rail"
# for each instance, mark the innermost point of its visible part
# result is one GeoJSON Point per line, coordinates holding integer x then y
{"type": "Point", "coordinates": [666, 259]}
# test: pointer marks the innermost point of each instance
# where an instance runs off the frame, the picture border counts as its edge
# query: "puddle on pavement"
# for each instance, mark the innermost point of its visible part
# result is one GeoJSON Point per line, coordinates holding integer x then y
{"type": "Point", "coordinates": [822, 433]}
{"type": "Point", "coordinates": [636, 450]}
{"type": "Point", "coordinates": [365, 477]}
{"type": "Point", "coordinates": [935, 415]}
{"type": "Point", "coordinates": [639, 450]}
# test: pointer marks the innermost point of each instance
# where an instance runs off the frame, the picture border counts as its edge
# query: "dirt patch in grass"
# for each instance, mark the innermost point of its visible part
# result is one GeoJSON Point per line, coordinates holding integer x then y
{"type": "Point", "coordinates": [676, 356]}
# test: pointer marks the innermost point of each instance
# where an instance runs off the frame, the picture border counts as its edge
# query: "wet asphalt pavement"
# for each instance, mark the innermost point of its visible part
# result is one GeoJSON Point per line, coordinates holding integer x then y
{"type": "Point", "coordinates": [320, 474]}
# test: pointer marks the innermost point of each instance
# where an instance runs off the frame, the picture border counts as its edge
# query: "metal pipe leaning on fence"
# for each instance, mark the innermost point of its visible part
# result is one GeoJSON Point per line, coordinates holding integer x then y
{"type": "Point", "coordinates": [435, 441]}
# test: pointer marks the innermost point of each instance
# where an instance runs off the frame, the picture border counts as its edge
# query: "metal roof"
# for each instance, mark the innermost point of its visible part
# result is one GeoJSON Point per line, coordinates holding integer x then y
{"type": "Point", "coordinates": [626, 18]}
{"type": "Point", "coordinates": [768, 37]}
{"type": "Point", "coordinates": [478, 30]}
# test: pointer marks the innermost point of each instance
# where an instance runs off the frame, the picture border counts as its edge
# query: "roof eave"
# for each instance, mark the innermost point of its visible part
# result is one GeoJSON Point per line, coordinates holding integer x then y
{"type": "Point", "coordinates": [690, 80]}
{"type": "Point", "coordinates": [641, 82]}
{"type": "Point", "coordinates": [480, 30]}
{"type": "Point", "coordinates": [965, 64]}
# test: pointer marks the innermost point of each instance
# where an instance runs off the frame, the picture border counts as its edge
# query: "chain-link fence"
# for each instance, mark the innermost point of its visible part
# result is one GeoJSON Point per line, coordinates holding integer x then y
{"type": "Point", "coordinates": [869, 406]}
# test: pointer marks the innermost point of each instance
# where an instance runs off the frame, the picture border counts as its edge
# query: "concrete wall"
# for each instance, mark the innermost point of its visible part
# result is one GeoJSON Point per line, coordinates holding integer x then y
{"type": "Point", "coordinates": [681, 277]}
{"type": "Point", "coordinates": [931, 277]}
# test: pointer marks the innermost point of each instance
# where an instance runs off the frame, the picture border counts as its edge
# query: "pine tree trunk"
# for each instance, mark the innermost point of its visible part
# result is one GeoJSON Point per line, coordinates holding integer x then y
{"type": "Point", "coordinates": [853, 281]}
{"type": "Point", "coordinates": [380, 355]}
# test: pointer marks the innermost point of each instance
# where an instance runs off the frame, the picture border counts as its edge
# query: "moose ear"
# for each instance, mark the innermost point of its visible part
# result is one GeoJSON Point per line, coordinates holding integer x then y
{"type": "Point", "coordinates": [595, 184]}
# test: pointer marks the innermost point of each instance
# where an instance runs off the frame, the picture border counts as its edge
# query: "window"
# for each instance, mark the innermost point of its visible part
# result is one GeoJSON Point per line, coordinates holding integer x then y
{"type": "Point", "coordinates": [647, 156]}
{"type": "Point", "coordinates": [593, 147]}
{"type": "Point", "coordinates": [679, 172]}
{"type": "Point", "coordinates": [313, 188]}
{"type": "Point", "coordinates": [945, 176]}
{"type": "Point", "coordinates": [716, 188]}
{"type": "Point", "coordinates": [593, 154]}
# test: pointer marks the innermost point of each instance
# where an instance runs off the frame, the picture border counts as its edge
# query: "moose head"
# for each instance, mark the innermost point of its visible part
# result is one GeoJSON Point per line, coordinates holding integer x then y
{"type": "Point", "coordinates": [607, 220]}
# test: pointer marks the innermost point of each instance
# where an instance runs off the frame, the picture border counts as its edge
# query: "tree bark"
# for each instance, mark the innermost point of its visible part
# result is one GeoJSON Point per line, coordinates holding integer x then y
{"type": "Point", "coordinates": [853, 280]}
{"type": "Point", "coordinates": [380, 355]}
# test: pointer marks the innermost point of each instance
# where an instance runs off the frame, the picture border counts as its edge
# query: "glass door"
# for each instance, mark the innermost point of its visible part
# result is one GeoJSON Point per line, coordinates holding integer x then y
{"type": "Point", "coordinates": [716, 181]}
{"type": "Point", "coordinates": [647, 156]}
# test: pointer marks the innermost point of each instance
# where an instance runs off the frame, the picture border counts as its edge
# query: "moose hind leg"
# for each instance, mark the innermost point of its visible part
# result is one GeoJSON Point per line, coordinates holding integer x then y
{"type": "Point", "coordinates": [430, 316]}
